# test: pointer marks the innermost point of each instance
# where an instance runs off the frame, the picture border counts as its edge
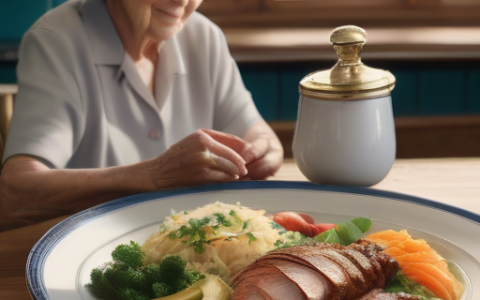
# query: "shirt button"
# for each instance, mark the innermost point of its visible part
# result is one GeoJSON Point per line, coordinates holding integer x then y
{"type": "Point", "coordinates": [154, 134]}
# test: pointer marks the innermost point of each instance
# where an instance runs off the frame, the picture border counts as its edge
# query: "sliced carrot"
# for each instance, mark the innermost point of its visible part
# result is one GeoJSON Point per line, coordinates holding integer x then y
{"type": "Point", "coordinates": [420, 262]}
{"type": "Point", "coordinates": [413, 246]}
{"type": "Point", "coordinates": [428, 281]}
{"type": "Point", "coordinates": [395, 252]}
{"type": "Point", "coordinates": [438, 274]}
{"type": "Point", "coordinates": [425, 257]}
{"type": "Point", "coordinates": [390, 235]}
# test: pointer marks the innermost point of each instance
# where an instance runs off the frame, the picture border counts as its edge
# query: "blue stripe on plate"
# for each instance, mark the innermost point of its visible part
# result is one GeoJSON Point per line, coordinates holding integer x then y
{"type": "Point", "coordinates": [39, 252]}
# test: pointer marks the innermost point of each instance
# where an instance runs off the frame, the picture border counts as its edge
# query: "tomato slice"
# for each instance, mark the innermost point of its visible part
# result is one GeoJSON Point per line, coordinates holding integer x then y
{"type": "Point", "coordinates": [303, 223]}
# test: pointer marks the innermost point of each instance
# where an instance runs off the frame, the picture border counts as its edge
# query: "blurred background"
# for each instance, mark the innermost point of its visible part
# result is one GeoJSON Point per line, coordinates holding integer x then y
{"type": "Point", "coordinates": [431, 46]}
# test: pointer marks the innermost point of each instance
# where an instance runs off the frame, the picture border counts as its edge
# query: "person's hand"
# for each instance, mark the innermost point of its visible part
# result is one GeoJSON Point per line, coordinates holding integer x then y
{"type": "Point", "coordinates": [205, 156]}
{"type": "Point", "coordinates": [267, 149]}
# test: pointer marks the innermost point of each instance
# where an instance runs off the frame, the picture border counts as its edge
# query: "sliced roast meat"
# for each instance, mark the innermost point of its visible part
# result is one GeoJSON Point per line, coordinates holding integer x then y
{"type": "Point", "coordinates": [319, 271]}
{"type": "Point", "coordinates": [371, 270]}
{"type": "Point", "coordinates": [281, 279]}
{"type": "Point", "coordinates": [389, 266]}
{"type": "Point", "coordinates": [269, 280]}
{"type": "Point", "coordinates": [313, 284]}
{"type": "Point", "coordinates": [255, 293]}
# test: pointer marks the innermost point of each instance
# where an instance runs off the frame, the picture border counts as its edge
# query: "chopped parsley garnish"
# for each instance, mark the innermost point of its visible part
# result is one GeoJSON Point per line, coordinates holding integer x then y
{"type": "Point", "coordinates": [222, 220]}
{"type": "Point", "coordinates": [200, 232]}
{"type": "Point", "coordinates": [250, 236]}
{"type": "Point", "coordinates": [245, 224]}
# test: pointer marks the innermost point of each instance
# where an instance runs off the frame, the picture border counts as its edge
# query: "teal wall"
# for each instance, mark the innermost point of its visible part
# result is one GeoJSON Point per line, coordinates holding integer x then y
{"type": "Point", "coordinates": [16, 16]}
{"type": "Point", "coordinates": [422, 89]}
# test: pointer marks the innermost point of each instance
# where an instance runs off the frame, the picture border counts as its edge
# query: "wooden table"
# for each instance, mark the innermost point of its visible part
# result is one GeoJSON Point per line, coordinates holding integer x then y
{"type": "Point", "coordinates": [453, 181]}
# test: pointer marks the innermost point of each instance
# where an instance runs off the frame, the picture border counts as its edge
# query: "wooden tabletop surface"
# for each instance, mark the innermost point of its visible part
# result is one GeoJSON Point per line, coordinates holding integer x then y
{"type": "Point", "coordinates": [454, 181]}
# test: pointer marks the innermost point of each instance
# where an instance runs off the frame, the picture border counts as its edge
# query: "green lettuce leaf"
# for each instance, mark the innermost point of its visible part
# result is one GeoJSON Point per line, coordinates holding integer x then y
{"type": "Point", "coordinates": [345, 233]}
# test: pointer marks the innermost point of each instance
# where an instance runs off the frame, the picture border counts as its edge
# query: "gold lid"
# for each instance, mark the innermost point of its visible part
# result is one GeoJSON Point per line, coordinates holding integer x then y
{"type": "Point", "coordinates": [349, 79]}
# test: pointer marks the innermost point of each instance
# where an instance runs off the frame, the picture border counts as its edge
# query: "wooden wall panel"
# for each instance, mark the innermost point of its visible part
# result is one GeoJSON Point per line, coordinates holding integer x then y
{"type": "Point", "coordinates": [445, 136]}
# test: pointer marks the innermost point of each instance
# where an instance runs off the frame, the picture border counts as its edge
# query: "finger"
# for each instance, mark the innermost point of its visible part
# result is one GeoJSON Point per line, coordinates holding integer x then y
{"type": "Point", "coordinates": [266, 166]}
{"type": "Point", "coordinates": [213, 176]}
{"type": "Point", "coordinates": [260, 169]}
{"type": "Point", "coordinates": [226, 152]}
{"type": "Point", "coordinates": [220, 163]}
{"type": "Point", "coordinates": [200, 142]}
{"type": "Point", "coordinates": [202, 160]}
{"type": "Point", "coordinates": [260, 146]}
{"type": "Point", "coordinates": [240, 146]}
{"type": "Point", "coordinates": [198, 168]}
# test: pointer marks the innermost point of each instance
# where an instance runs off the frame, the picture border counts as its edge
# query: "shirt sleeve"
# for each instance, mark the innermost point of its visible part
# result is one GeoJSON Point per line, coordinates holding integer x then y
{"type": "Point", "coordinates": [47, 119]}
{"type": "Point", "coordinates": [235, 109]}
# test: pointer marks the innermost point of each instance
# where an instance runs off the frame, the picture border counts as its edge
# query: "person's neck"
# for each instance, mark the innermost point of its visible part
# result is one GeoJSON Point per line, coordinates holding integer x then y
{"type": "Point", "coordinates": [137, 44]}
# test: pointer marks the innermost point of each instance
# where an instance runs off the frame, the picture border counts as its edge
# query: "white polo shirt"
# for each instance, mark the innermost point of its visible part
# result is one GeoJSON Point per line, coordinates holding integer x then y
{"type": "Point", "coordinates": [82, 103]}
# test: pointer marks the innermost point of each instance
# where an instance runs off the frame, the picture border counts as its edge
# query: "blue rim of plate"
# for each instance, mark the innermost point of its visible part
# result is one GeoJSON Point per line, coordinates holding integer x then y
{"type": "Point", "coordinates": [40, 251]}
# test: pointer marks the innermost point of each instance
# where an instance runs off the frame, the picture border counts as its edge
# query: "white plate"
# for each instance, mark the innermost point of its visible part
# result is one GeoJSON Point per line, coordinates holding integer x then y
{"type": "Point", "coordinates": [59, 264]}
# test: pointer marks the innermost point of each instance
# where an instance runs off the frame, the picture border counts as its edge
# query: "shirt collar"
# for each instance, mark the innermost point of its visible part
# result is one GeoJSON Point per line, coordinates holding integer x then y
{"type": "Point", "coordinates": [170, 65]}
{"type": "Point", "coordinates": [107, 48]}
{"type": "Point", "coordinates": [172, 53]}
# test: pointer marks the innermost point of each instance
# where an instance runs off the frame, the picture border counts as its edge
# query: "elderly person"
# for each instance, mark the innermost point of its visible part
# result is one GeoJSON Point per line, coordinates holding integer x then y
{"type": "Point", "coordinates": [118, 97]}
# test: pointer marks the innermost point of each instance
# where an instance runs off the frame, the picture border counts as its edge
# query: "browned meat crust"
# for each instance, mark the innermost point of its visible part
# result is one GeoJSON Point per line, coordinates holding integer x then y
{"type": "Point", "coordinates": [335, 271]}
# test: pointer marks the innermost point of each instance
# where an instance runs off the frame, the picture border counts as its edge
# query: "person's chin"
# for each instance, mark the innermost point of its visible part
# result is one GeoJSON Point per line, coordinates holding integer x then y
{"type": "Point", "coordinates": [167, 32]}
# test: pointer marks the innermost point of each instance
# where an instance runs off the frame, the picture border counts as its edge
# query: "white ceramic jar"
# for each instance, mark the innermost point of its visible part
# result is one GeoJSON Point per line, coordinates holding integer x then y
{"type": "Point", "coordinates": [345, 131]}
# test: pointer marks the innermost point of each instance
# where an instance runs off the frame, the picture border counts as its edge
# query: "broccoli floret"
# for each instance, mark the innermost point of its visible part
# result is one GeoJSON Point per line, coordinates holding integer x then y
{"type": "Point", "coordinates": [129, 277]}
{"type": "Point", "coordinates": [160, 289]}
{"type": "Point", "coordinates": [125, 278]}
{"type": "Point", "coordinates": [131, 255]}
{"type": "Point", "coordinates": [153, 273]}
{"type": "Point", "coordinates": [132, 294]}
{"type": "Point", "coordinates": [173, 272]}
{"type": "Point", "coordinates": [101, 286]}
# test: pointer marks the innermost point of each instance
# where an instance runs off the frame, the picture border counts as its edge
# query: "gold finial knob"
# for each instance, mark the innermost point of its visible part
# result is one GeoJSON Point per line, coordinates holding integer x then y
{"type": "Point", "coordinates": [348, 34]}
{"type": "Point", "coordinates": [348, 42]}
